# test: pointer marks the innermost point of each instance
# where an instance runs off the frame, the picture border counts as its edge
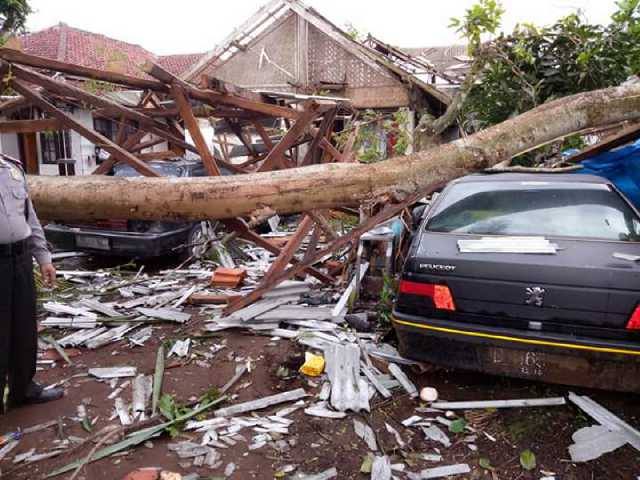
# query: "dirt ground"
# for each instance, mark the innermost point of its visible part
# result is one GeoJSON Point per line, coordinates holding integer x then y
{"type": "Point", "coordinates": [315, 444]}
{"type": "Point", "coordinates": [319, 443]}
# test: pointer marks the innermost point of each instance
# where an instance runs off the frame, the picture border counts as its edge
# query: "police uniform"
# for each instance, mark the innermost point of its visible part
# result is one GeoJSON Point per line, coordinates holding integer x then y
{"type": "Point", "coordinates": [21, 238]}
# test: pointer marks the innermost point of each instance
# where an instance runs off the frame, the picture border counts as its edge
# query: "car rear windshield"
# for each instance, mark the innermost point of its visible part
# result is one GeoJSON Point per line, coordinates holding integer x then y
{"type": "Point", "coordinates": [563, 209]}
{"type": "Point", "coordinates": [164, 169]}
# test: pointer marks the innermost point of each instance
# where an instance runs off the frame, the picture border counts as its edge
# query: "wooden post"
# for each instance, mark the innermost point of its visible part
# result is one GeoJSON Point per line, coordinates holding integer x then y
{"type": "Point", "coordinates": [194, 129]}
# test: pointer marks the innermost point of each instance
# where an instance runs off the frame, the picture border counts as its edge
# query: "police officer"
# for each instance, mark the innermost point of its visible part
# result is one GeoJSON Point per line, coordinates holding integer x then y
{"type": "Point", "coordinates": [21, 237]}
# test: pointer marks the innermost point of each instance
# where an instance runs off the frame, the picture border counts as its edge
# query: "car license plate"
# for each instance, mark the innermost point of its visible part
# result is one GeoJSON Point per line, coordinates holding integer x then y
{"type": "Point", "coordinates": [97, 243]}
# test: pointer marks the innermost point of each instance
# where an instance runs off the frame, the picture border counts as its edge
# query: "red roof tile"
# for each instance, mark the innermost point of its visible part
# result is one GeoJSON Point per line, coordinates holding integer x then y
{"type": "Point", "coordinates": [178, 64]}
{"type": "Point", "coordinates": [68, 44]}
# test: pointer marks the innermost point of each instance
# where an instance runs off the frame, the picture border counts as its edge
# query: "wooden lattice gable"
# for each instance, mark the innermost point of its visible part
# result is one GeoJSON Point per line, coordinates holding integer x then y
{"type": "Point", "coordinates": [287, 45]}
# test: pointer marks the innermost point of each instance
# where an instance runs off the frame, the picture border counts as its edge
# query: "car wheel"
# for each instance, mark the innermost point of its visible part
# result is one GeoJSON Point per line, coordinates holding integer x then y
{"type": "Point", "coordinates": [196, 242]}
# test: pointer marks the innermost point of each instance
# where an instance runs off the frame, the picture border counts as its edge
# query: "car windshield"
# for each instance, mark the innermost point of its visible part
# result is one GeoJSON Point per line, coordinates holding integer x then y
{"type": "Point", "coordinates": [564, 209]}
{"type": "Point", "coordinates": [164, 169]}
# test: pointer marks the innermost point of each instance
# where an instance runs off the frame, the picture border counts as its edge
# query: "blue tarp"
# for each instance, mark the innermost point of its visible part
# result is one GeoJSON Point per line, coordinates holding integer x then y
{"type": "Point", "coordinates": [621, 166]}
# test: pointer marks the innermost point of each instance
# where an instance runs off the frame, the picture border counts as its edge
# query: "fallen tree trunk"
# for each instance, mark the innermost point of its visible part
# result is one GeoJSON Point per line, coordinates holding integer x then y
{"type": "Point", "coordinates": [331, 185]}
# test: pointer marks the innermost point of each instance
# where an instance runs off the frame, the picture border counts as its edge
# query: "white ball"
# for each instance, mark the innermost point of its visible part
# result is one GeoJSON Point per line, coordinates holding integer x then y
{"type": "Point", "coordinates": [429, 394]}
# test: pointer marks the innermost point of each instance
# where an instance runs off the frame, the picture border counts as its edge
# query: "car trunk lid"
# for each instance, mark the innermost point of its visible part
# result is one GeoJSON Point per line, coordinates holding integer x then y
{"type": "Point", "coordinates": [582, 284]}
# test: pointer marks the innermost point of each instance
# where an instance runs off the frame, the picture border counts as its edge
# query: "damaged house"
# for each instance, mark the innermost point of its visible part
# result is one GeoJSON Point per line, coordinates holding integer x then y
{"type": "Point", "coordinates": [290, 48]}
{"type": "Point", "coordinates": [44, 146]}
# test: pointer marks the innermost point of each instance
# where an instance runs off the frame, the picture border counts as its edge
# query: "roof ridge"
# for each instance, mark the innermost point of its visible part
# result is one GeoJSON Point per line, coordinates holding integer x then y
{"type": "Point", "coordinates": [63, 26]}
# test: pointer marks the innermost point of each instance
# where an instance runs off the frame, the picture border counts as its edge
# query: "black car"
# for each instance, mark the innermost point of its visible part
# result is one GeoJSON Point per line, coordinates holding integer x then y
{"type": "Point", "coordinates": [570, 317]}
{"type": "Point", "coordinates": [135, 238]}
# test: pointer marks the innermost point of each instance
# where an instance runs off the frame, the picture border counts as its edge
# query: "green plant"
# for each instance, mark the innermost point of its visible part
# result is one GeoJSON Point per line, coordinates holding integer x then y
{"type": "Point", "coordinates": [482, 18]}
{"type": "Point", "coordinates": [387, 297]}
{"type": "Point", "coordinates": [13, 17]}
{"type": "Point", "coordinates": [528, 460]}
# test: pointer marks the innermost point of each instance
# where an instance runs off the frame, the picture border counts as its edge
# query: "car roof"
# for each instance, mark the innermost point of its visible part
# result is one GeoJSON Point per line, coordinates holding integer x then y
{"type": "Point", "coordinates": [534, 177]}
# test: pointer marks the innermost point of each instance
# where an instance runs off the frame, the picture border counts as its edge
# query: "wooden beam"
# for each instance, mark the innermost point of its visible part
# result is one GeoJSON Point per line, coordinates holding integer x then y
{"type": "Point", "coordinates": [385, 214]}
{"type": "Point", "coordinates": [276, 155]}
{"type": "Point", "coordinates": [328, 147]}
{"type": "Point", "coordinates": [237, 130]}
{"type": "Point", "coordinates": [122, 131]}
{"type": "Point", "coordinates": [215, 98]}
{"type": "Point", "coordinates": [623, 137]}
{"type": "Point", "coordinates": [69, 90]}
{"type": "Point", "coordinates": [15, 56]}
{"type": "Point", "coordinates": [314, 155]}
{"type": "Point", "coordinates": [94, 137]}
{"type": "Point", "coordinates": [243, 231]}
{"type": "Point", "coordinates": [159, 155]}
{"type": "Point", "coordinates": [30, 126]}
{"type": "Point", "coordinates": [287, 253]}
{"type": "Point", "coordinates": [13, 104]}
{"type": "Point", "coordinates": [191, 123]}
{"type": "Point", "coordinates": [148, 144]}
{"type": "Point", "coordinates": [266, 139]}
{"type": "Point", "coordinates": [323, 224]}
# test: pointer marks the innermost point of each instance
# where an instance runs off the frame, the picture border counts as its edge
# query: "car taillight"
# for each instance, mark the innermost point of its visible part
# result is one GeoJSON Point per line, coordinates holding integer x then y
{"type": "Point", "coordinates": [440, 294]}
{"type": "Point", "coordinates": [634, 321]}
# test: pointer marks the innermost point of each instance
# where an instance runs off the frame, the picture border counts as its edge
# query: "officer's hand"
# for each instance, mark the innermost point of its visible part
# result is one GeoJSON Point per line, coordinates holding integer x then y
{"type": "Point", "coordinates": [48, 272]}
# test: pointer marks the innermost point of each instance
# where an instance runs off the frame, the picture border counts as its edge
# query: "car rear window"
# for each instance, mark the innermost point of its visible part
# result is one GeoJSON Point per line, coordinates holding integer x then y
{"type": "Point", "coordinates": [165, 170]}
{"type": "Point", "coordinates": [562, 209]}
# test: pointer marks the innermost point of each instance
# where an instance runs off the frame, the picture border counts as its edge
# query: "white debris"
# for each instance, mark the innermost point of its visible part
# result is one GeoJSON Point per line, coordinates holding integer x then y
{"type": "Point", "coordinates": [365, 433]}
{"type": "Point", "coordinates": [434, 433]}
{"type": "Point", "coordinates": [407, 384]}
{"type": "Point", "coordinates": [439, 472]}
{"type": "Point", "coordinates": [113, 372]}
{"type": "Point", "coordinates": [180, 348]}
{"type": "Point", "coordinates": [381, 468]}
{"type": "Point", "coordinates": [428, 394]}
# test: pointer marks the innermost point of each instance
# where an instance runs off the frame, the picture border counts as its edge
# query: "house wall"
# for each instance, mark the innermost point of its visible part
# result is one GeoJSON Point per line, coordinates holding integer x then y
{"type": "Point", "coordinates": [9, 144]}
{"type": "Point", "coordinates": [293, 52]}
{"type": "Point", "coordinates": [274, 68]}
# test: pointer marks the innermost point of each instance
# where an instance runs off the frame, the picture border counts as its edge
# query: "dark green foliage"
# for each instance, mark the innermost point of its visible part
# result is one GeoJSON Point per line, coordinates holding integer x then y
{"type": "Point", "coordinates": [13, 16]}
{"type": "Point", "coordinates": [533, 66]}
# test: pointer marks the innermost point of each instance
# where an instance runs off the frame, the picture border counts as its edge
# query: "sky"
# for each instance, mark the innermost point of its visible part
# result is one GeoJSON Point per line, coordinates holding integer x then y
{"type": "Point", "coordinates": [192, 26]}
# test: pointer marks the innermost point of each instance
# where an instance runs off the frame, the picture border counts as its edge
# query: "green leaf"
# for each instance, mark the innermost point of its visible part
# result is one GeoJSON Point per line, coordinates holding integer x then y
{"type": "Point", "coordinates": [167, 406]}
{"type": "Point", "coordinates": [457, 426]}
{"type": "Point", "coordinates": [86, 425]}
{"type": "Point", "coordinates": [528, 460]}
{"type": "Point", "coordinates": [134, 439]}
{"type": "Point", "coordinates": [485, 463]}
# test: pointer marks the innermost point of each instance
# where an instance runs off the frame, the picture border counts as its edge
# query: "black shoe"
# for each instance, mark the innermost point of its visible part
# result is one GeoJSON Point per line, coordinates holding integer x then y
{"type": "Point", "coordinates": [37, 394]}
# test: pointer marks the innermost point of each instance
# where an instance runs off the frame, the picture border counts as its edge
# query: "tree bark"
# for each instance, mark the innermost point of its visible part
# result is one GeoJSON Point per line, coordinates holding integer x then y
{"type": "Point", "coordinates": [329, 185]}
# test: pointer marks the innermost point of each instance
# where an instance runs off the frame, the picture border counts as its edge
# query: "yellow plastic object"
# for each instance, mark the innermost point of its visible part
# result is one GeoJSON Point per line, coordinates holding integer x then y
{"type": "Point", "coordinates": [313, 365]}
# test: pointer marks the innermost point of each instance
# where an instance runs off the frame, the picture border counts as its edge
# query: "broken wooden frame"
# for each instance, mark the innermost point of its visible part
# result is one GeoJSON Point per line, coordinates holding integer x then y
{"type": "Point", "coordinates": [166, 103]}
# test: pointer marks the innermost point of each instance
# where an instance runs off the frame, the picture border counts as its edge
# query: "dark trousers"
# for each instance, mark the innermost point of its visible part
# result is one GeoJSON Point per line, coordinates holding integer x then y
{"type": "Point", "coordinates": [18, 326]}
